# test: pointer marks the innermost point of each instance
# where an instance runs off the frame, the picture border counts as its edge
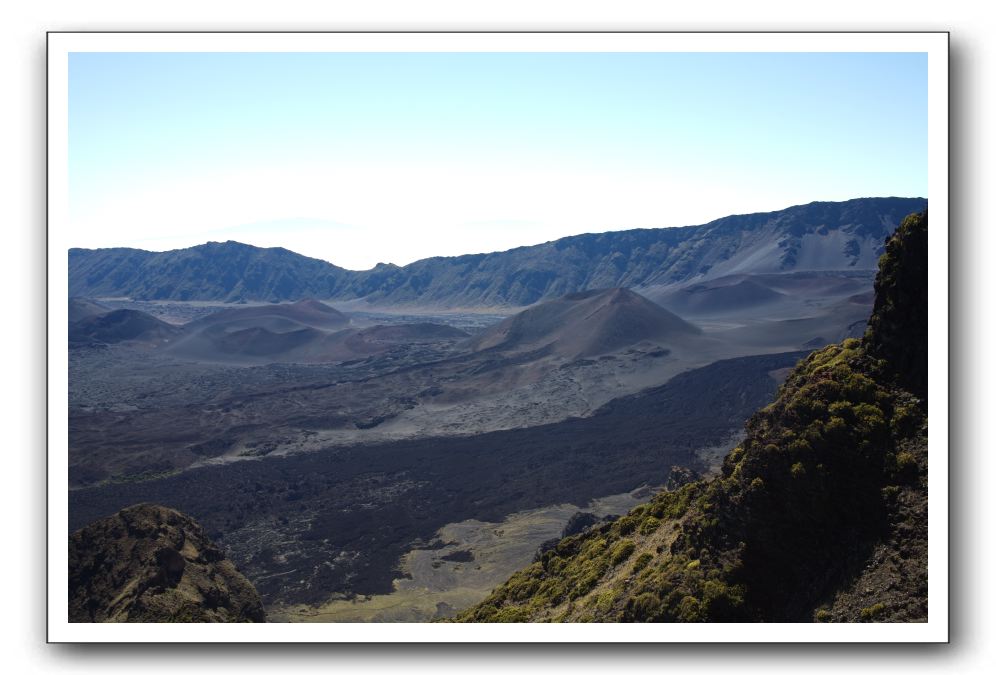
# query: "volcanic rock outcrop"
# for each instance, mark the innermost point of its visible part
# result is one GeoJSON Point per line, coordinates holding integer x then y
{"type": "Point", "coordinates": [151, 564]}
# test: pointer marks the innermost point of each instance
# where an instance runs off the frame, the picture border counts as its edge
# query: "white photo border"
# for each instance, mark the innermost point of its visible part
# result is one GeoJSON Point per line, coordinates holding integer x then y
{"type": "Point", "coordinates": [61, 44]}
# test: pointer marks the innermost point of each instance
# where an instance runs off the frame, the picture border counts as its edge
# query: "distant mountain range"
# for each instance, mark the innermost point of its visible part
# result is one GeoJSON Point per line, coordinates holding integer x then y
{"type": "Point", "coordinates": [821, 236]}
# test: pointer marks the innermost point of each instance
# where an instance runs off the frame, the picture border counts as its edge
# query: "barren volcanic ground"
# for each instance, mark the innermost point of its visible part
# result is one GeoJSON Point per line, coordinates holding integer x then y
{"type": "Point", "coordinates": [141, 409]}
{"type": "Point", "coordinates": [307, 527]}
{"type": "Point", "coordinates": [326, 481]}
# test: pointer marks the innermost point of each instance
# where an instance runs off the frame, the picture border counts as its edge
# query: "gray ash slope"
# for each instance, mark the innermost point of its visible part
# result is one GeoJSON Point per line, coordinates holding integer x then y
{"type": "Point", "coordinates": [260, 333]}
{"type": "Point", "coordinates": [586, 324]}
{"type": "Point", "coordinates": [306, 331]}
{"type": "Point", "coordinates": [84, 308]}
{"type": "Point", "coordinates": [818, 236]}
{"type": "Point", "coordinates": [306, 312]}
{"type": "Point", "coordinates": [120, 325]}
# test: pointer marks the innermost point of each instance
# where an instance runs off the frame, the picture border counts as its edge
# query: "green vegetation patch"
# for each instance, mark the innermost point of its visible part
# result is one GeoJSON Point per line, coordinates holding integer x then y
{"type": "Point", "coordinates": [872, 613]}
{"type": "Point", "coordinates": [621, 551]}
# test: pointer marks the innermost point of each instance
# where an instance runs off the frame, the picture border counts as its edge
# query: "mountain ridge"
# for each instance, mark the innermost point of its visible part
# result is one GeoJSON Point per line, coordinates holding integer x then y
{"type": "Point", "coordinates": [816, 236]}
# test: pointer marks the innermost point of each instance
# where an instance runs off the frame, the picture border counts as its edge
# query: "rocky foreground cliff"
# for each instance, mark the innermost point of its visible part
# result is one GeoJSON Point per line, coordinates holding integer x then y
{"type": "Point", "coordinates": [820, 514]}
{"type": "Point", "coordinates": [147, 563]}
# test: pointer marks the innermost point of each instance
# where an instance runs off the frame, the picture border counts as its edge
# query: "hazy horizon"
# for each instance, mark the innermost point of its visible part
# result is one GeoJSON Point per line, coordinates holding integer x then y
{"type": "Point", "coordinates": [503, 250]}
{"type": "Point", "coordinates": [389, 157]}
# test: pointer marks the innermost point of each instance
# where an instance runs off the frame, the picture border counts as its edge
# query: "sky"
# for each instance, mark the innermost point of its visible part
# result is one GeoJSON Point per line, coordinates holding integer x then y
{"type": "Point", "coordinates": [360, 158]}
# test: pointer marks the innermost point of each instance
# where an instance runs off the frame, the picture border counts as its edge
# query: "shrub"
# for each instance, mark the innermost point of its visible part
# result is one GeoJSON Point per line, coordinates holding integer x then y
{"type": "Point", "coordinates": [481, 613]}
{"type": "Point", "coordinates": [873, 612]}
{"type": "Point", "coordinates": [621, 551]}
{"type": "Point", "coordinates": [593, 548]}
{"type": "Point", "coordinates": [672, 505]}
{"type": "Point", "coordinates": [627, 524]}
{"type": "Point", "coordinates": [800, 446]}
{"type": "Point", "coordinates": [641, 561]}
{"type": "Point", "coordinates": [605, 600]}
{"type": "Point", "coordinates": [690, 609]}
{"type": "Point", "coordinates": [841, 409]}
{"type": "Point", "coordinates": [522, 591]}
{"type": "Point", "coordinates": [511, 615]}
{"type": "Point", "coordinates": [906, 464]}
{"type": "Point", "coordinates": [643, 607]}
{"type": "Point", "coordinates": [720, 601]}
{"type": "Point", "coordinates": [586, 576]}
{"type": "Point", "coordinates": [649, 525]}
{"type": "Point", "coordinates": [905, 419]}
{"type": "Point", "coordinates": [835, 429]}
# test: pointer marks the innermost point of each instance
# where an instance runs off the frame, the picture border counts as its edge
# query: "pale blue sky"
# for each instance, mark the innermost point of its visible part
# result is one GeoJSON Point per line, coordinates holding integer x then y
{"type": "Point", "coordinates": [360, 158]}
